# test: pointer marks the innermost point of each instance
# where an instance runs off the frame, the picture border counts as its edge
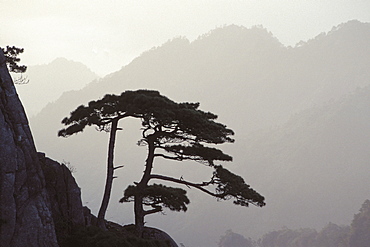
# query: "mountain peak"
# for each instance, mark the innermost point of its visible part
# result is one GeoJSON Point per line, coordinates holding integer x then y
{"type": "Point", "coordinates": [235, 33]}
{"type": "Point", "coordinates": [62, 62]}
{"type": "Point", "coordinates": [49, 81]}
{"type": "Point", "coordinates": [352, 24]}
{"type": "Point", "coordinates": [352, 31]}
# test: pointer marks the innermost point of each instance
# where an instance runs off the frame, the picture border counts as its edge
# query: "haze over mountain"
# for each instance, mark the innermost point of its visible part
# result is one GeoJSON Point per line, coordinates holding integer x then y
{"type": "Point", "coordinates": [300, 115]}
{"type": "Point", "coordinates": [47, 82]}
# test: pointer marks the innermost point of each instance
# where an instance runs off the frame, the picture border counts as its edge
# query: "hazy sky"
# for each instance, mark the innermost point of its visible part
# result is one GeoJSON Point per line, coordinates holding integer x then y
{"type": "Point", "coordinates": [107, 34]}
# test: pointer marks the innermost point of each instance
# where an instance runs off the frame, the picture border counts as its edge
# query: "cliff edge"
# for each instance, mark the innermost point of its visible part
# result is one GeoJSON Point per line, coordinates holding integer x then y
{"type": "Point", "coordinates": [25, 215]}
{"type": "Point", "coordinates": [40, 201]}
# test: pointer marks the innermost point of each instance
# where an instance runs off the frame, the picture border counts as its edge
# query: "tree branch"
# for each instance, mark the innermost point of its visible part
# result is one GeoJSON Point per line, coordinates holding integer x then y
{"type": "Point", "coordinates": [168, 157]}
{"type": "Point", "coordinates": [156, 209]}
{"type": "Point", "coordinates": [117, 167]}
{"type": "Point", "coordinates": [181, 181]}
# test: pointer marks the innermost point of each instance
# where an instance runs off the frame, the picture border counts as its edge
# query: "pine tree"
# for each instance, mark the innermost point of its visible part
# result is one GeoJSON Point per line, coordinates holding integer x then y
{"type": "Point", "coordinates": [172, 131]}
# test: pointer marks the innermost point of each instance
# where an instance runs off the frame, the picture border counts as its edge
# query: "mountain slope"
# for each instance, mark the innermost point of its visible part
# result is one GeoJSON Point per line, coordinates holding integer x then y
{"type": "Point", "coordinates": [316, 165]}
{"type": "Point", "coordinates": [47, 82]}
{"type": "Point", "coordinates": [255, 85]}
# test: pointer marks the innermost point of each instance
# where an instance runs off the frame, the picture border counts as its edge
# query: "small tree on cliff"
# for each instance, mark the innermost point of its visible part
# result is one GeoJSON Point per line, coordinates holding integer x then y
{"type": "Point", "coordinates": [11, 58]}
{"type": "Point", "coordinates": [179, 132]}
{"type": "Point", "coordinates": [11, 54]}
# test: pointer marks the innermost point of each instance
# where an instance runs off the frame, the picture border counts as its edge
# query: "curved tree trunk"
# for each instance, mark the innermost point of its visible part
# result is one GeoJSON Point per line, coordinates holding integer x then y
{"type": "Point", "coordinates": [138, 201]}
{"type": "Point", "coordinates": [109, 179]}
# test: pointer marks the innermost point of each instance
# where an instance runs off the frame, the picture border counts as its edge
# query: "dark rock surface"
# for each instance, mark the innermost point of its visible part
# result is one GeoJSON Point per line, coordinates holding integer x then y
{"type": "Point", "coordinates": [25, 214]}
{"type": "Point", "coordinates": [64, 196]}
{"type": "Point", "coordinates": [156, 234]}
{"type": "Point", "coordinates": [40, 201]}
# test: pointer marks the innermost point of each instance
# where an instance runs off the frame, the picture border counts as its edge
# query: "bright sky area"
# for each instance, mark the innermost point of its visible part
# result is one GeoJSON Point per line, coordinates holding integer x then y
{"type": "Point", "coordinates": [107, 34]}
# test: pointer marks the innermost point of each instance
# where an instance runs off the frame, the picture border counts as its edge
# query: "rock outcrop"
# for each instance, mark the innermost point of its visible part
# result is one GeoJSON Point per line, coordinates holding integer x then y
{"type": "Point", "coordinates": [25, 215]}
{"type": "Point", "coordinates": [64, 197]}
{"type": "Point", "coordinates": [154, 233]}
{"type": "Point", "coordinates": [40, 201]}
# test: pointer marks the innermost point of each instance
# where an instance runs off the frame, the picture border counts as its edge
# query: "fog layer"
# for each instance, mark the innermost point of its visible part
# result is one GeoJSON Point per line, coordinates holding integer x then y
{"type": "Point", "coordinates": [300, 115]}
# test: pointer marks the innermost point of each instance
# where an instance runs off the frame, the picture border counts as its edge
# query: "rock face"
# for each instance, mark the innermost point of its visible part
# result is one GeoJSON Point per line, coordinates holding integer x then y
{"type": "Point", "coordinates": [25, 216]}
{"type": "Point", "coordinates": [154, 233]}
{"type": "Point", "coordinates": [40, 201]}
{"type": "Point", "coordinates": [64, 196]}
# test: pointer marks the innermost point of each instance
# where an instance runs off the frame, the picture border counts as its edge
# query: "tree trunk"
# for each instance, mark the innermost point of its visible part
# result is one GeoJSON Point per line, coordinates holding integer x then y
{"type": "Point", "coordinates": [138, 201]}
{"type": "Point", "coordinates": [139, 215]}
{"type": "Point", "coordinates": [109, 179]}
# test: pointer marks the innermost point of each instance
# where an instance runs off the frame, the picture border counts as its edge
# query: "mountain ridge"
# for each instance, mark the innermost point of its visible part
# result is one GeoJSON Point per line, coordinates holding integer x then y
{"type": "Point", "coordinates": [47, 82]}
{"type": "Point", "coordinates": [251, 91]}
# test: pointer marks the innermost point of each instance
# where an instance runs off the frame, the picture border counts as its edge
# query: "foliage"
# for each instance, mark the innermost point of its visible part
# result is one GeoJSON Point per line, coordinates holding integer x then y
{"type": "Point", "coordinates": [157, 194]}
{"type": "Point", "coordinates": [11, 56]}
{"type": "Point", "coordinates": [100, 113]}
{"type": "Point", "coordinates": [230, 185]}
{"type": "Point", "coordinates": [103, 111]}
{"type": "Point", "coordinates": [179, 131]}
{"type": "Point", "coordinates": [282, 237]}
{"type": "Point", "coordinates": [333, 235]}
{"type": "Point", "coordinates": [232, 239]}
{"type": "Point", "coordinates": [173, 131]}
{"type": "Point", "coordinates": [330, 236]}
{"type": "Point", "coordinates": [360, 232]}
{"type": "Point", "coordinates": [70, 167]}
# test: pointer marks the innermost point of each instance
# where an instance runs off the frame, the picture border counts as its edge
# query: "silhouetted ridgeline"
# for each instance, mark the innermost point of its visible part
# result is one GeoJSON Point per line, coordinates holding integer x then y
{"type": "Point", "coordinates": [332, 235]}
{"type": "Point", "coordinates": [300, 115]}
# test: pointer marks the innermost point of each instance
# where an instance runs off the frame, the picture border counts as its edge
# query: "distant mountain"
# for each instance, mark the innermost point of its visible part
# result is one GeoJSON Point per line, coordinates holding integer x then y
{"type": "Point", "coordinates": [300, 115]}
{"type": "Point", "coordinates": [47, 82]}
{"type": "Point", "coordinates": [314, 167]}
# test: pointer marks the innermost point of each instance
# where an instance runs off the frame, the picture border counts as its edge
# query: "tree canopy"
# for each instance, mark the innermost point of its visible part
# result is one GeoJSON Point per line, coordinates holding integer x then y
{"type": "Point", "coordinates": [360, 232]}
{"type": "Point", "coordinates": [172, 131]}
{"type": "Point", "coordinates": [232, 239]}
{"type": "Point", "coordinates": [11, 56]}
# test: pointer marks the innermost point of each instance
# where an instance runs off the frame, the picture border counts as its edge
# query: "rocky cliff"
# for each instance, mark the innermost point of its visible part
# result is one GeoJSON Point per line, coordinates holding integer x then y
{"type": "Point", "coordinates": [25, 216]}
{"type": "Point", "coordinates": [40, 201]}
{"type": "Point", "coordinates": [64, 196]}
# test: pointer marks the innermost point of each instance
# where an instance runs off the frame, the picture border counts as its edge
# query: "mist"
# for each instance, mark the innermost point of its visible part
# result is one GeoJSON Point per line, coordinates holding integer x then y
{"type": "Point", "coordinates": [106, 35]}
{"type": "Point", "coordinates": [291, 80]}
